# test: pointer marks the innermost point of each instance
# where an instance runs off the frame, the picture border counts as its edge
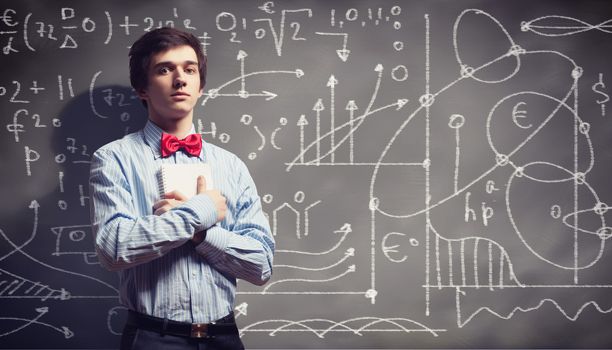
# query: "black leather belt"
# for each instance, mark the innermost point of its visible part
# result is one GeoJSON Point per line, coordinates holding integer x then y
{"type": "Point", "coordinates": [225, 325]}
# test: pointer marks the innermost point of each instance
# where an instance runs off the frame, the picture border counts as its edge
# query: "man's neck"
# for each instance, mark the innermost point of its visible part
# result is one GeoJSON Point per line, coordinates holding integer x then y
{"type": "Point", "coordinates": [177, 127]}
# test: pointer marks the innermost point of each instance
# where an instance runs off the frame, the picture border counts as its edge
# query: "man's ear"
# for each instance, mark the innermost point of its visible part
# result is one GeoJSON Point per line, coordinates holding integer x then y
{"type": "Point", "coordinates": [143, 94]}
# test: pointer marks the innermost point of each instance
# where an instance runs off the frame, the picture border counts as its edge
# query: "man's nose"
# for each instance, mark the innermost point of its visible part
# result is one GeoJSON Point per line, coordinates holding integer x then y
{"type": "Point", "coordinates": [179, 82]}
{"type": "Point", "coordinates": [179, 79]}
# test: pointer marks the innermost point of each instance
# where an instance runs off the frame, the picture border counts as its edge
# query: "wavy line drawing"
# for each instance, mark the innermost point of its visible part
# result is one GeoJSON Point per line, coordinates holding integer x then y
{"type": "Point", "coordinates": [462, 322]}
{"type": "Point", "coordinates": [555, 26]}
{"type": "Point", "coordinates": [311, 325]}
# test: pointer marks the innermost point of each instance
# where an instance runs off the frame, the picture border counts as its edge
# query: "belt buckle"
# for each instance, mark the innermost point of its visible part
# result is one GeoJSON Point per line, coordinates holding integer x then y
{"type": "Point", "coordinates": [199, 330]}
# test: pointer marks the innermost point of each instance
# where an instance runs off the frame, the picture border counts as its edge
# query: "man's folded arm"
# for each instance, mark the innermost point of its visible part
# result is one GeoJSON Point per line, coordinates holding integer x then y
{"type": "Point", "coordinates": [123, 239]}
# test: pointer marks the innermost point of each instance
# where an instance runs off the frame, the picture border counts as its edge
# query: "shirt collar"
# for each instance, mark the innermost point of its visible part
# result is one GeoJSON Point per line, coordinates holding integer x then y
{"type": "Point", "coordinates": [152, 137]}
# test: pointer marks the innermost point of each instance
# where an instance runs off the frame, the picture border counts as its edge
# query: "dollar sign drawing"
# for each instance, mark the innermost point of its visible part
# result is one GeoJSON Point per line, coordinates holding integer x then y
{"type": "Point", "coordinates": [605, 99]}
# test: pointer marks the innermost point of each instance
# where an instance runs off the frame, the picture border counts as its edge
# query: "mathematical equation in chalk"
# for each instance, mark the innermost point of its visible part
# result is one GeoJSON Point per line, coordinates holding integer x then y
{"type": "Point", "coordinates": [23, 31]}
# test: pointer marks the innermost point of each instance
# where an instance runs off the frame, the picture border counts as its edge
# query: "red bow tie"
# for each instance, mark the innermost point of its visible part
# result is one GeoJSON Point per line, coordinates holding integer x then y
{"type": "Point", "coordinates": [192, 144]}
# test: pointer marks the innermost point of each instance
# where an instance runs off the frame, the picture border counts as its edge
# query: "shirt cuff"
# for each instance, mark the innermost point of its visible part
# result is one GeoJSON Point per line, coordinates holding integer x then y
{"type": "Point", "coordinates": [204, 209]}
{"type": "Point", "coordinates": [213, 246]}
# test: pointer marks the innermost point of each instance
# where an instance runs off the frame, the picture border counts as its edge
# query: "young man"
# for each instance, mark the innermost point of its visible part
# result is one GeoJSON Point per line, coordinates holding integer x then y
{"type": "Point", "coordinates": [178, 258]}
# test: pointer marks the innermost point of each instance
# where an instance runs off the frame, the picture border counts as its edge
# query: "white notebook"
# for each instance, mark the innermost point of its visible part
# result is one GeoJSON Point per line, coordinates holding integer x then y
{"type": "Point", "coordinates": [184, 178]}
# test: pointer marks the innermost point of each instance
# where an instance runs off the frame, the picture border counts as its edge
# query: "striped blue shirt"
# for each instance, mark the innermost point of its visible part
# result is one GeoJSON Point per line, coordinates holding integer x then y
{"type": "Point", "coordinates": [161, 271]}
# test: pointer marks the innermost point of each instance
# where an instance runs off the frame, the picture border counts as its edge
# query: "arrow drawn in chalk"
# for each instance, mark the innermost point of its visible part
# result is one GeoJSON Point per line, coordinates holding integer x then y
{"type": "Point", "coordinates": [35, 321]}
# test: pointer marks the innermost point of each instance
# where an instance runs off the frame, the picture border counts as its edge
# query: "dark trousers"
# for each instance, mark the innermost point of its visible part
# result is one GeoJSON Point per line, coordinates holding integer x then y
{"type": "Point", "coordinates": [136, 338]}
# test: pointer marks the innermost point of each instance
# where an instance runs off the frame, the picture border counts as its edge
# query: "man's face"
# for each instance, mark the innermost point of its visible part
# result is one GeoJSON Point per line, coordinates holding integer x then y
{"type": "Point", "coordinates": [174, 84]}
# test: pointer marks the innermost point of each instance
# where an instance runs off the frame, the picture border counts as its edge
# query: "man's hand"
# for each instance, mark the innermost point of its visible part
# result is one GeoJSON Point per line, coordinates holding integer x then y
{"type": "Point", "coordinates": [215, 195]}
{"type": "Point", "coordinates": [176, 198]}
{"type": "Point", "coordinates": [171, 200]}
{"type": "Point", "coordinates": [220, 206]}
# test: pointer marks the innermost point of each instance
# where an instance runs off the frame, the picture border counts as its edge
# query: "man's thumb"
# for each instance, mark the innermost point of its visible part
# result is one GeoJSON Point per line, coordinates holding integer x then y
{"type": "Point", "coordinates": [201, 184]}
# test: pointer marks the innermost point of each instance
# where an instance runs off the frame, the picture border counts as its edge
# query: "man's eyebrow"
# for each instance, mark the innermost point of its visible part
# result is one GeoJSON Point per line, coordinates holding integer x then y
{"type": "Point", "coordinates": [172, 64]}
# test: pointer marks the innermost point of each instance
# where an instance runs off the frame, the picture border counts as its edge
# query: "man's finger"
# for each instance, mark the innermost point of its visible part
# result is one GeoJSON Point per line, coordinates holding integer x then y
{"type": "Point", "coordinates": [176, 195]}
{"type": "Point", "coordinates": [161, 210]}
{"type": "Point", "coordinates": [201, 184]}
{"type": "Point", "coordinates": [160, 204]}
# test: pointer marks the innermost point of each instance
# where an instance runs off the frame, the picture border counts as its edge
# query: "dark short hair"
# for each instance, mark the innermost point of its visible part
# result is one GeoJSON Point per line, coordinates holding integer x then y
{"type": "Point", "coordinates": [156, 41]}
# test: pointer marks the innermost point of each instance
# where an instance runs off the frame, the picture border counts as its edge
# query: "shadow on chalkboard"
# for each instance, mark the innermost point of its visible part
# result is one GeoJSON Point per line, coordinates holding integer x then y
{"type": "Point", "coordinates": [47, 251]}
{"type": "Point", "coordinates": [65, 239]}
{"type": "Point", "coordinates": [99, 116]}
{"type": "Point", "coordinates": [90, 121]}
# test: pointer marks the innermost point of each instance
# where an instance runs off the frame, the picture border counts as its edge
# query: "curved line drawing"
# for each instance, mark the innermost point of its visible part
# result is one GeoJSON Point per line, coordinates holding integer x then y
{"type": "Point", "coordinates": [504, 256]}
{"type": "Point", "coordinates": [601, 233]}
{"type": "Point", "coordinates": [28, 322]}
{"type": "Point", "coordinates": [578, 27]}
{"type": "Point", "coordinates": [112, 312]}
{"type": "Point", "coordinates": [33, 205]}
{"type": "Point", "coordinates": [349, 252]}
{"type": "Point", "coordinates": [465, 69]}
{"type": "Point", "coordinates": [531, 249]}
{"type": "Point", "coordinates": [303, 326]}
{"type": "Point", "coordinates": [460, 190]}
{"type": "Point", "coordinates": [561, 103]}
{"type": "Point", "coordinates": [52, 267]}
{"type": "Point", "coordinates": [110, 28]}
{"type": "Point", "coordinates": [91, 95]}
{"type": "Point", "coordinates": [399, 104]}
{"type": "Point", "coordinates": [393, 321]}
{"type": "Point", "coordinates": [262, 136]}
{"type": "Point", "coordinates": [26, 22]}
{"type": "Point", "coordinates": [353, 128]}
{"type": "Point", "coordinates": [349, 270]}
{"type": "Point", "coordinates": [346, 229]}
{"type": "Point", "coordinates": [273, 138]}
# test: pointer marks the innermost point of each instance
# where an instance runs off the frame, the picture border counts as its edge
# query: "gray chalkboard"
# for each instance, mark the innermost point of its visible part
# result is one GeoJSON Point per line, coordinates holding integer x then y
{"type": "Point", "coordinates": [436, 173]}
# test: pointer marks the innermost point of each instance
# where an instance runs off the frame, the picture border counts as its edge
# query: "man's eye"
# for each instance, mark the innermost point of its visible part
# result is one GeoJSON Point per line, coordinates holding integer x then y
{"type": "Point", "coordinates": [191, 70]}
{"type": "Point", "coordinates": [164, 70]}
